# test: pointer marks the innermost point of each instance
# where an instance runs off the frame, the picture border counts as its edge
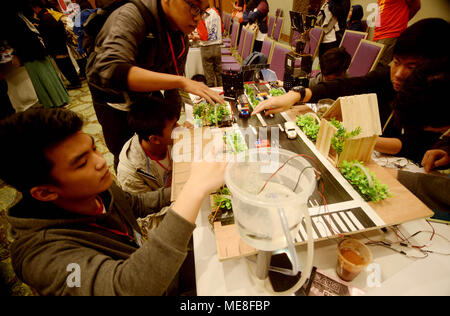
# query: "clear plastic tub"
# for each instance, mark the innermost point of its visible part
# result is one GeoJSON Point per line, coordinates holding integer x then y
{"type": "Point", "coordinates": [270, 189]}
{"type": "Point", "coordinates": [260, 188]}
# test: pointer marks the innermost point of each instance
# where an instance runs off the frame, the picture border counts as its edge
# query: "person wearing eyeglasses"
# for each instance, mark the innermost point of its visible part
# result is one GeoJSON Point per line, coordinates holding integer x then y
{"type": "Point", "coordinates": [134, 57]}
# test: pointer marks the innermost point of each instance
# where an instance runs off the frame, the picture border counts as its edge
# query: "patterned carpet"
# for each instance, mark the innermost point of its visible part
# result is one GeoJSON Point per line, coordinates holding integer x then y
{"type": "Point", "coordinates": [80, 102]}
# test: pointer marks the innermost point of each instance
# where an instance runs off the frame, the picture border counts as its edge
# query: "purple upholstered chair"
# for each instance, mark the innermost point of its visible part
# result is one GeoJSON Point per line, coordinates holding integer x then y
{"type": "Point", "coordinates": [248, 44]}
{"type": "Point", "coordinates": [365, 58]}
{"type": "Point", "coordinates": [241, 41]}
{"type": "Point", "coordinates": [267, 48]}
{"type": "Point", "coordinates": [315, 38]}
{"type": "Point", "coordinates": [278, 59]}
{"type": "Point", "coordinates": [351, 39]}
{"type": "Point", "coordinates": [277, 30]}
{"type": "Point", "coordinates": [270, 25]}
{"type": "Point", "coordinates": [233, 39]}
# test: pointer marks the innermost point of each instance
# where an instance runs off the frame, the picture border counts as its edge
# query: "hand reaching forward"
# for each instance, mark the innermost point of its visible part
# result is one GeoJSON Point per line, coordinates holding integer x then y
{"type": "Point", "coordinates": [435, 158]}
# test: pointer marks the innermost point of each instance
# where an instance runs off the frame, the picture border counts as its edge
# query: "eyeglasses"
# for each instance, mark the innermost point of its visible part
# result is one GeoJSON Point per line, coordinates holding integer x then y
{"type": "Point", "coordinates": [196, 11]}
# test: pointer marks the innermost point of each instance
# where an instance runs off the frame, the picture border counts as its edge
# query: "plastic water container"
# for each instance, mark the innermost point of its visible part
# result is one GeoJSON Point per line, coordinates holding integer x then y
{"type": "Point", "coordinates": [265, 184]}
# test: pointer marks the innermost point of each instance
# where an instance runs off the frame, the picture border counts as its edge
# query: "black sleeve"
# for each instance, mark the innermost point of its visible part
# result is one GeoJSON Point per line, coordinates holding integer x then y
{"type": "Point", "coordinates": [377, 81]}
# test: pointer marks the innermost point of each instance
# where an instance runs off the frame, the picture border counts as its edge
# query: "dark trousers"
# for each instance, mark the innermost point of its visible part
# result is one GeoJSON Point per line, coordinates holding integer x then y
{"type": "Point", "coordinates": [114, 124]}
{"type": "Point", "coordinates": [212, 64]}
{"type": "Point", "coordinates": [68, 70]}
{"type": "Point", "coordinates": [82, 64]}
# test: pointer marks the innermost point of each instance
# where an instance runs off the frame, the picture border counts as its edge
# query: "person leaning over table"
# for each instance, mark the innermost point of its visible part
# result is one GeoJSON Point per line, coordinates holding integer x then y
{"type": "Point", "coordinates": [413, 127]}
{"type": "Point", "coordinates": [75, 231]}
{"type": "Point", "coordinates": [409, 53]}
{"type": "Point", "coordinates": [129, 60]}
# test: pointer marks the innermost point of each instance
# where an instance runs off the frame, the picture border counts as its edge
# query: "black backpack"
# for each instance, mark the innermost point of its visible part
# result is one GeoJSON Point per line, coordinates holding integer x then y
{"type": "Point", "coordinates": [255, 58]}
{"type": "Point", "coordinates": [97, 19]}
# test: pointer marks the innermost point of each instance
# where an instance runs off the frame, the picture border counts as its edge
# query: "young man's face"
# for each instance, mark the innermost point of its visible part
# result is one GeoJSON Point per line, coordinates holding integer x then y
{"type": "Point", "coordinates": [179, 13]}
{"type": "Point", "coordinates": [79, 170]}
{"type": "Point", "coordinates": [401, 68]}
{"type": "Point", "coordinates": [166, 138]}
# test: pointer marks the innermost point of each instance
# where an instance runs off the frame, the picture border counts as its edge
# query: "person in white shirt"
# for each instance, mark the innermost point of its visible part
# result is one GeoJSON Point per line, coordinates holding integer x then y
{"type": "Point", "coordinates": [210, 32]}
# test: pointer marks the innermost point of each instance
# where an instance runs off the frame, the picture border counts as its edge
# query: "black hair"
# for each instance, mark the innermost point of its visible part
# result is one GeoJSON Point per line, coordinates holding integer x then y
{"type": "Point", "coordinates": [340, 10]}
{"type": "Point", "coordinates": [425, 38]}
{"type": "Point", "coordinates": [335, 61]}
{"type": "Point", "coordinates": [357, 13]}
{"type": "Point", "coordinates": [422, 100]}
{"type": "Point", "coordinates": [252, 5]}
{"type": "Point", "coordinates": [26, 137]}
{"type": "Point", "coordinates": [148, 115]}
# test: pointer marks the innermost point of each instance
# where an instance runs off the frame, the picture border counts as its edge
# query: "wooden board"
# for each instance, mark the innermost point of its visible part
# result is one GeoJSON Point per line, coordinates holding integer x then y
{"type": "Point", "coordinates": [403, 206]}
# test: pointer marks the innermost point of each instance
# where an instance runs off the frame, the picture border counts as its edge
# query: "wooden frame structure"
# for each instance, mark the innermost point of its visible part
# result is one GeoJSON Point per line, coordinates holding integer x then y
{"type": "Point", "coordinates": [353, 111]}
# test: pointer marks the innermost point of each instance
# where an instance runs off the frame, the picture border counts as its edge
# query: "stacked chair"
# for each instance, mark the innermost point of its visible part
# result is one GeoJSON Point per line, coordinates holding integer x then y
{"type": "Point", "coordinates": [234, 52]}
{"type": "Point", "coordinates": [351, 39]}
{"type": "Point", "coordinates": [365, 58]}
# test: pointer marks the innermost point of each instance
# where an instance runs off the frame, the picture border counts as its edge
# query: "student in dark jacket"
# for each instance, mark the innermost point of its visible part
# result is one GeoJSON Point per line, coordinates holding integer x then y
{"type": "Point", "coordinates": [55, 39]}
{"type": "Point", "coordinates": [75, 232]}
{"type": "Point", "coordinates": [384, 81]}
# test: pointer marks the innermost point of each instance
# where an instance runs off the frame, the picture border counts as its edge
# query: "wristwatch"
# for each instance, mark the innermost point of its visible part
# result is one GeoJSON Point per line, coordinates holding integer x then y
{"type": "Point", "coordinates": [301, 90]}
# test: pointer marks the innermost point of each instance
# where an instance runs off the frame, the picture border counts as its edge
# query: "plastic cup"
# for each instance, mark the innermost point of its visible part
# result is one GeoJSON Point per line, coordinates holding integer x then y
{"type": "Point", "coordinates": [353, 257]}
{"type": "Point", "coordinates": [323, 106]}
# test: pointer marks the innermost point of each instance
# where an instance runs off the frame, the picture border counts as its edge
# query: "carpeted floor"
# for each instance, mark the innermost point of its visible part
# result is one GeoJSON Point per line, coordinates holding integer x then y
{"type": "Point", "coordinates": [80, 102]}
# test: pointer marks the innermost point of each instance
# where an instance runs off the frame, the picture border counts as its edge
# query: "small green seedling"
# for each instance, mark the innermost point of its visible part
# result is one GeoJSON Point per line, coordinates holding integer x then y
{"type": "Point", "coordinates": [338, 140]}
{"type": "Point", "coordinates": [309, 126]}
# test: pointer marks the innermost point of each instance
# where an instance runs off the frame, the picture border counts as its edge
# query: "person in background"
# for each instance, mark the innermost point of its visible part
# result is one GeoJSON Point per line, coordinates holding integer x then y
{"type": "Point", "coordinates": [354, 18]}
{"type": "Point", "coordinates": [333, 65]}
{"type": "Point", "coordinates": [120, 71]}
{"type": "Point", "coordinates": [257, 12]}
{"type": "Point", "coordinates": [73, 9]}
{"type": "Point", "coordinates": [210, 32]}
{"type": "Point", "coordinates": [30, 51]}
{"type": "Point", "coordinates": [392, 20]}
{"type": "Point", "coordinates": [239, 8]}
{"type": "Point", "coordinates": [72, 215]}
{"type": "Point", "coordinates": [385, 81]}
{"type": "Point", "coordinates": [55, 38]}
{"type": "Point", "coordinates": [332, 18]}
{"type": "Point", "coordinates": [145, 163]}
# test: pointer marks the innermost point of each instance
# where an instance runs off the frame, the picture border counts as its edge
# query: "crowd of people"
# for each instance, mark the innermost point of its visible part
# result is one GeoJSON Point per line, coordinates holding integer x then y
{"type": "Point", "coordinates": [127, 237]}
